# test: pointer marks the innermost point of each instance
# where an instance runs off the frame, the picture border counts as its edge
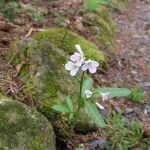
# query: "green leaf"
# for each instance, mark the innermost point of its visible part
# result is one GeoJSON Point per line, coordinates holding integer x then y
{"type": "Point", "coordinates": [69, 103]}
{"type": "Point", "coordinates": [71, 116]}
{"type": "Point", "coordinates": [61, 108]}
{"type": "Point", "coordinates": [94, 113]}
{"type": "Point", "coordinates": [114, 92]}
{"type": "Point", "coordinates": [87, 85]}
{"type": "Point", "coordinates": [93, 4]}
{"type": "Point", "coordinates": [120, 146]}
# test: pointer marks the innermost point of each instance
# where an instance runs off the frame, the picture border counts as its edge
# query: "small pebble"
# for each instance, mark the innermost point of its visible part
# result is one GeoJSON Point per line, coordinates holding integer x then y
{"type": "Point", "coordinates": [117, 109]}
{"type": "Point", "coordinates": [147, 110]}
{"type": "Point", "coordinates": [98, 145]}
{"type": "Point", "coordinates": [129, 111]}
{"type": "Point", "coordinates": [145, 85]}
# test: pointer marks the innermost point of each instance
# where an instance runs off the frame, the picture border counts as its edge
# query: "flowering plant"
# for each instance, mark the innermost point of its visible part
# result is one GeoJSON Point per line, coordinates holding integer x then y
{"type": "Point", "coordinates": [87, 93]}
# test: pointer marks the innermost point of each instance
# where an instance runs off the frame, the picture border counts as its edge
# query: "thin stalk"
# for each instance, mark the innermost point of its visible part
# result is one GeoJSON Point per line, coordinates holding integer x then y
{"type": "Point", "coordinates": [79, 102]}
{"type": "Point", "coordinates": [73, 15]}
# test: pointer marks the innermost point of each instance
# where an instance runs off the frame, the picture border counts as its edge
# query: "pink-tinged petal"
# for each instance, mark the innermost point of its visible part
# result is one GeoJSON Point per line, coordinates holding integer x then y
{"type": "Point", "coordinates": [85, 67]}
{"type": "Point", "coordinates": [78, 47]}
{"type": "Point", "coordinates": [69, 65]}
{"type": "Point", "coordinates": [95, 64]}
{"type": "Point", "coordinates": [92, 70]}
{"type": "Point", "coordinates": [80, 62]}
{"type": "Point", "coordinates": [100, 106]}
{"type": "Point", "coordinates": [74, 71]}
{"type": "Point", "coordinates": [75, 57]}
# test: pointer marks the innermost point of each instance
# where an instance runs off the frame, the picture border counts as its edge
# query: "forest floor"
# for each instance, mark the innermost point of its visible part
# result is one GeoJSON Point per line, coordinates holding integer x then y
{"type": "Point", "coordinates": [128, 67]}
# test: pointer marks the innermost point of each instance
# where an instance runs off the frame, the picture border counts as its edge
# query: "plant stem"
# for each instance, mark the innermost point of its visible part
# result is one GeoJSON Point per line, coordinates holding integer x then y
{"type": "Point", "coordinates": [79, 102]}
{"type": "Point", "coordinates": [73, 15]}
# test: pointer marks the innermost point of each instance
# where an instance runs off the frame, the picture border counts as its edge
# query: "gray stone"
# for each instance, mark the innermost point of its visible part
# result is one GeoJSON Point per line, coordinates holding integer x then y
{"type": "Point", "coordinates": [129, 112]}
{"type": "Point", "coordinates": [98, 145]}
{"type": "Point", "coordinates": [147, 110]}
{"type": "Point", "coordinates": [118, 109]}
{"type": "Point", "coordinates": [145, 85]}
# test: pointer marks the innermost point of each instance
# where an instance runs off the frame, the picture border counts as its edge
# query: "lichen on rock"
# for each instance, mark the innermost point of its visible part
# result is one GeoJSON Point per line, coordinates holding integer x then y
{"type": "Point", "coordinates": [23, 128]}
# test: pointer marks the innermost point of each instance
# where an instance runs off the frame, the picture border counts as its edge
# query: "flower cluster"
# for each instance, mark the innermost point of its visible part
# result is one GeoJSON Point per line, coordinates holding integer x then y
{"type": "Point", "coordinates": [78, 60]}
{"type": "Point", "coordinates": [105, 97]}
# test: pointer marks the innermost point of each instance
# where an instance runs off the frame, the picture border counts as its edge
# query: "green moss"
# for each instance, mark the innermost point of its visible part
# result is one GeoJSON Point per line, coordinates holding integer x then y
{"type": "Point", "coordinates": [11, 9]}
{"type": "Point", "coordinates": [55, 36]}
{"type": "Point", "coordinates": [107, 27]}
{"type": "Point", "coordinates": [36, 145]}
{"type": "Point", "coordinates": [101, 25]}
{"type": "Point", "coordinates": [23, 128]}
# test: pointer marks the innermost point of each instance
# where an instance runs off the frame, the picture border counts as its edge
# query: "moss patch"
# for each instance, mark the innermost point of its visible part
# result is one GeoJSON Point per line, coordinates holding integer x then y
{"type": "Point", "coordinates": [102, 26]}
{"type": "Point", "coordinates": [23, 128]}
{"type": "Point", "coordinates": [55, 36]}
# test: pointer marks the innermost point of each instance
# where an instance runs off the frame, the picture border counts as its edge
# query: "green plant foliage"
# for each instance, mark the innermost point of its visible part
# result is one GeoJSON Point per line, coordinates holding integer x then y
{"type": "Point", "coordinates": [93, 4]}
{"type": "Point", "coordinates": [59, 19]}
{"type": "Point", "coordinates": [61, 108]}
{"type": "Point", "coordinates": [34, 13]}
{"type": "Point", "coordinates": [9, 9]}
{"type": "Point", "coordinates": [120, 136]}
{"type": "Point", "coordinates": [69, 103]}
{"type": "Point", "coordinates": [94, 113]}
{"type": "Point", "coordinates": [136, 95]}
{"type": "Point", "coordinates": [118, 5]}
{"type": "Point", "coordinates": [113, 91]}
{"type": "Point", "coordinates": [87, 85]}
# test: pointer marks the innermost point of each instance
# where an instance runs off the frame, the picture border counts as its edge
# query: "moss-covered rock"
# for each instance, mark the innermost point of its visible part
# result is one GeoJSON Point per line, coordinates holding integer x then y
{"type": "Point", "coordinates": [55, 36]}
{"type": "Point", "coordinates": [23, 128]}
{"type": "Point", "coordinates": [44, 74]}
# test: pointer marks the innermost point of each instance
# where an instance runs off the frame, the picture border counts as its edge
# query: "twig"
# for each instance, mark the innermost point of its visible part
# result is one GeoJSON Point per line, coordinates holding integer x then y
{"type": "Point", "coordinates": [29, 32]}
{"type": "Point", "coordinates": [32, 30]}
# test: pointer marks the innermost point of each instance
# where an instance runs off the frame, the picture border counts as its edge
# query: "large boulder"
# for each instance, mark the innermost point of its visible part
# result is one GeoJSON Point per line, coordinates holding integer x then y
{"type": "Point", "coordinates": [44, 74]}
{"type": "Point", "coordinates": [23, 128]}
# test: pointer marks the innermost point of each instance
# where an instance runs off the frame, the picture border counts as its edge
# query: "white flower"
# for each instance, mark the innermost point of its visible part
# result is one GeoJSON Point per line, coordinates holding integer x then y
{"type": "Point", "coordinates": [105, 96]}
{"type": "Point", "coordinates": [99, 106]}
{"type": "Point", "coordinates": [88, 93]}
{"type": "Point", "coordinates": [78, 57]}
{"type": "Point", "coordinates": [90, 65]}
{"type": "Point", "coordinates": [78, 47]}
{"type": "Point", "coordinates": [72, 67]}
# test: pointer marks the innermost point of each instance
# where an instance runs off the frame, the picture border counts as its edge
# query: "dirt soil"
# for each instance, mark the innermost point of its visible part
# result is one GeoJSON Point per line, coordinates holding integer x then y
{"type": "Point", "coordinates": [129, 66]}
{"type": "Point", "coordinates": [133, 47]}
